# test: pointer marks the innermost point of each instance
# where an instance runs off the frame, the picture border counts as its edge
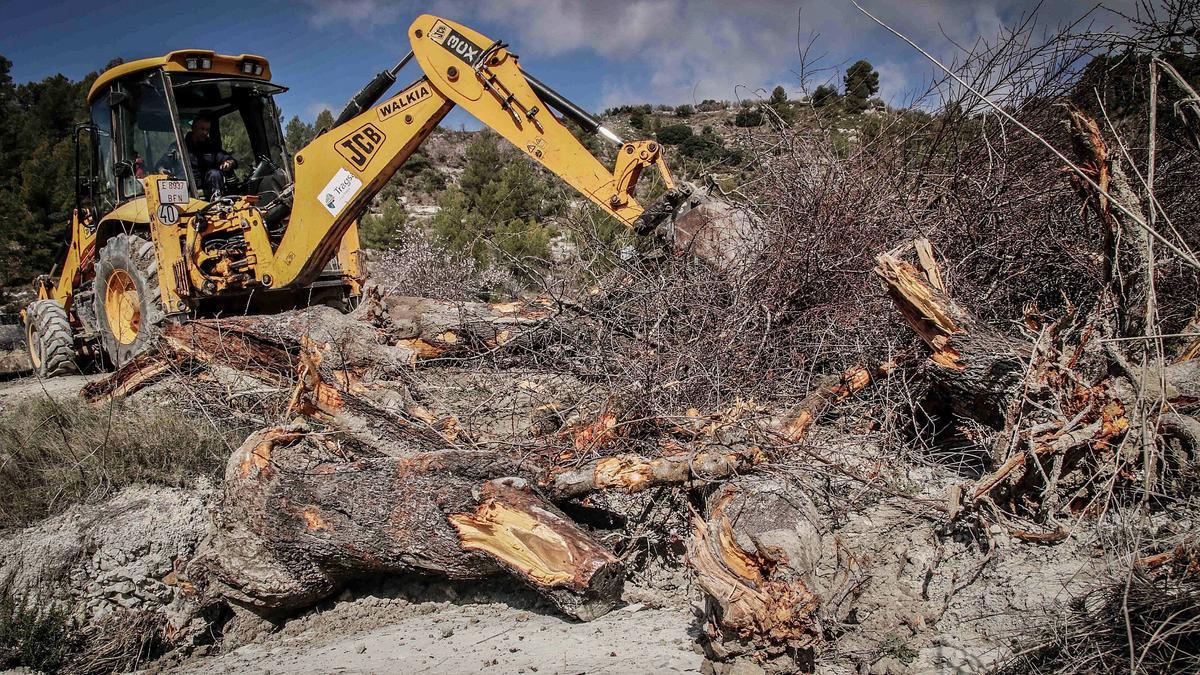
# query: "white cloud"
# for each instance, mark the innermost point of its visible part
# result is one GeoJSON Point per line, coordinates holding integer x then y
{"type": "Point", "coordinates": [313, 109]}
{"type": "Point", "coordinates": [362, 14]}
{"type": "Point", "coordinates": [680, 50]}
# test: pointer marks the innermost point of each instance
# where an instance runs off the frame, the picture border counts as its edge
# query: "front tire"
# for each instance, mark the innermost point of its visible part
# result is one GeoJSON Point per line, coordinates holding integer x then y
{"type": "Point", "coordinates": [128, 303]}
{"type": "Point", "coordinates": [50, 339]}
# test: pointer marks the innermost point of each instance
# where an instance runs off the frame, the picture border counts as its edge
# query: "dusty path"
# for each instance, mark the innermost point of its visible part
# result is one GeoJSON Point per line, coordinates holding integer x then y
{"type": "Point", "coordinates": [380, 634]}
{"type": "Point", "coordinates": [13, 391]}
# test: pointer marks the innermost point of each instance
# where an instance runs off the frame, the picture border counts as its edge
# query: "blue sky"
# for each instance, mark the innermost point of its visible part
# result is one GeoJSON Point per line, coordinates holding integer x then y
{"type": "Point", "coordinates": [598, 53]}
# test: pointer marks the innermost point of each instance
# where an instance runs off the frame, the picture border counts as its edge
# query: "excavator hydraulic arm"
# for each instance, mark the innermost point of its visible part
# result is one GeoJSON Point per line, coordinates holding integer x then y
{"type": "Point", "coordinates": [339, 173]}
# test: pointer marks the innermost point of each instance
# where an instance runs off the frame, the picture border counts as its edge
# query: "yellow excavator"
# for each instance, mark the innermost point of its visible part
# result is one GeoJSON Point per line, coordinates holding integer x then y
{"type": "Point", "coordinates": [153, 241]}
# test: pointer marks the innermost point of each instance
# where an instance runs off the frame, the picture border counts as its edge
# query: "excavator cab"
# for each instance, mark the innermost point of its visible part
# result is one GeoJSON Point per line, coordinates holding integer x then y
{"type": "Point", "coordinates": [151, 240]}
{"type": "Point", "coordinates": [244, 123]}
{"type": "Point", "coordinates": [152, 113]}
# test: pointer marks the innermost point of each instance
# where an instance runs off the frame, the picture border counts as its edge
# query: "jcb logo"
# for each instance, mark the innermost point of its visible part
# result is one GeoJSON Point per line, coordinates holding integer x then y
{"type": "Point", "coordinates": [359, 147]}
{"type": "Point", "coordinates": [439, 32]}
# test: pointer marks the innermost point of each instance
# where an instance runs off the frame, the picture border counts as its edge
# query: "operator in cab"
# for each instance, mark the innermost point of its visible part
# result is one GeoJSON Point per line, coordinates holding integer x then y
{"type": "Point", "coordinates": [210, 163]}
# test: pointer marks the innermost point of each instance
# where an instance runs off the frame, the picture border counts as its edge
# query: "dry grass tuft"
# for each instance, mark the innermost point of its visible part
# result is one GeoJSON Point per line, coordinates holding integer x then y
{"type": "Point", "coordinates": [57, 453]}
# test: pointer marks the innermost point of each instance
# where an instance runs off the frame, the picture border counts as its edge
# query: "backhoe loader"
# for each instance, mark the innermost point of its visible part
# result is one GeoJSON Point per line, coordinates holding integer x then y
{"type": "Point", "coordinates": [150, 243]}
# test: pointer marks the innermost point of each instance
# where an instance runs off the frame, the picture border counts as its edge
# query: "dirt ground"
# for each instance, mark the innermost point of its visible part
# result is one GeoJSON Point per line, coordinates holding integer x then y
{"type": "Point", "coordinates": [924, 602]}
{"type": "Point", "coordinates": [413, 626]}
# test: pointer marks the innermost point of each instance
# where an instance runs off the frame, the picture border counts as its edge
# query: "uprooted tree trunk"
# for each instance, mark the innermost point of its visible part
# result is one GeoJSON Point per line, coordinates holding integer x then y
{"type": "Point", "coordinates": [1072, 420]}
{"type": "Point", "coordinates": [298, 519]}
{"type": "Point", "coordinates": [976, 368]}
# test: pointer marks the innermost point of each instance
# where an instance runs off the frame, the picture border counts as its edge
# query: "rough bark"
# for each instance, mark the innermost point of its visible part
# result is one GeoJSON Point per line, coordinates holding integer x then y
{"type": "Point", "coordinates": [298, 518]}
{"type": "Point", "coordinates": [386, 335]}
{"type": "Point", "coordinates": [707, 459]}
{"type": "Point", "coordinates": [1128, 255]}
{"type": "Point", "coordinates": [634, 473]}
{"type": "Point", "coordinates": [433, 329]}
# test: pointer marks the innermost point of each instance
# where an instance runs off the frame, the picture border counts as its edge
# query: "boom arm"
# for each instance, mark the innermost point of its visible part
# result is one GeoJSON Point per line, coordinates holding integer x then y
{"type": "Point", "coordinates": [342, 170]}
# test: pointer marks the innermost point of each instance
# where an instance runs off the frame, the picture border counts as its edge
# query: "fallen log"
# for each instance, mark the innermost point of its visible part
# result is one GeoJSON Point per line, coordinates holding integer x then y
{"type": "Point", "coordinates": [634, 473]}
{"type": "Point", "coordinates": [433, 329]}
{"type": "Point", "coordinates": [386, 335]}
{"type": "Point", "coordinates": [708, 459]}
{"type": "Point", "coordinates": [298, 518]}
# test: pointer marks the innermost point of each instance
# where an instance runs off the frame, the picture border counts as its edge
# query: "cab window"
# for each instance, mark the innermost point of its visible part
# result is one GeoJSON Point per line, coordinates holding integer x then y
{"type": "Point", "coordinates": [148, 139]}
{"type": "Point", "coordinates": [246, 121]}
{"type": "Point", "coordinates": [106, 183]}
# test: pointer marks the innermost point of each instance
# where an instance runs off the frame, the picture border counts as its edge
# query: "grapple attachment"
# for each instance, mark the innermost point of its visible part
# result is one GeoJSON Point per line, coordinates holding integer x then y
{"type": "Point", "coordinates": [691, 221]}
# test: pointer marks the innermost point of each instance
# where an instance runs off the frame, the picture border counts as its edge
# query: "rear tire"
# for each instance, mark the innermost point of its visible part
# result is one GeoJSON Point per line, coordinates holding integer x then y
{"type": "Point", "coordinates": [50, 339]}
{"type": "Point", "coordinates": [126, 290]}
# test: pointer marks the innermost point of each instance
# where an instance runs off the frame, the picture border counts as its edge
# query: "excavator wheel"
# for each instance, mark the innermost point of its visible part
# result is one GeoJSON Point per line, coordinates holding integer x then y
{"type": "Point", "coordinates": [128, 304]}
{"type": "Point", "coordinates": [50, 338]}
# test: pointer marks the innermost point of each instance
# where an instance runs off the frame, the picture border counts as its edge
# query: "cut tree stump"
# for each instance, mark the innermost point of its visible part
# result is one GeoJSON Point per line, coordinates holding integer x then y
{"type": "Point", "coordinates": [976, 368]}
{"type": "Point", "coordinates": [298, 519]}
{"type": "Point", "coordinates": [754, 602]}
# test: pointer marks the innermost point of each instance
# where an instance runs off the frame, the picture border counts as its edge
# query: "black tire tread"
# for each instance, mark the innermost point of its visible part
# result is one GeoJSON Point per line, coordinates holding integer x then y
{"type": "Point", "coordinates": [141, 253]}
{"type": "Point", "coordinates": [56, 336]}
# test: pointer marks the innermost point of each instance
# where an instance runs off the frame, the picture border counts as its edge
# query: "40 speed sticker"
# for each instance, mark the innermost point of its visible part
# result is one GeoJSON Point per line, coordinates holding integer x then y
{"type": "Point", "coordinates": [168, 214]}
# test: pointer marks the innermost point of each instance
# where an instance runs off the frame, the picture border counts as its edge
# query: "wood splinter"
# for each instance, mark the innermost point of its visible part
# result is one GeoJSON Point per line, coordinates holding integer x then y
{"type": "Point", "coordinates": [540, 545]}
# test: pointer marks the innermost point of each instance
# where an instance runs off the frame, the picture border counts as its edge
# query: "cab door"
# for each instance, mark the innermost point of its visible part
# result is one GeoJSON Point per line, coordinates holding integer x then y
{"type": "Point", "coordinates": [95, 173]}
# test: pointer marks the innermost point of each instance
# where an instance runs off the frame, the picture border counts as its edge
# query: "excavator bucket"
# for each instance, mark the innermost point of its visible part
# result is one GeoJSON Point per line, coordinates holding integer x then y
{"type": "Point", "coordinates": [690, 220]}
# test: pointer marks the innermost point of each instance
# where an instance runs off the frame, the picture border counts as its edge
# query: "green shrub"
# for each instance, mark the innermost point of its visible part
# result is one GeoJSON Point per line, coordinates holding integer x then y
{"type": "Point", "coordinates": [498, 209]}
{"type": "Point", "coordinates": [685, 111]}
{"type": "Point", "coordinates": [748, 117]}
{"type": "Point", "coordinates": [674, 134]}
{"type": "Point", "coordinates": [824, 95]}
{"type": "Point", "coordinates": [34, 634]}
{"type": "Point", "coordinates": [385, 230]}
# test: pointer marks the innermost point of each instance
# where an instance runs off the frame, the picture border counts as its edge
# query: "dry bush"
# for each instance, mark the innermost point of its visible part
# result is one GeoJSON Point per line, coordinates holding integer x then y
{"type": "Point", "coordinates": [417, 266]}
{"type": "Point", "coordinates": [57, 453]}
{"type": "Point", "coordinates": [1145, 620]}
{"type": "Point", "coordinates": [1004, 217]}
{"type": "Point", "coordinates": [122, 642]}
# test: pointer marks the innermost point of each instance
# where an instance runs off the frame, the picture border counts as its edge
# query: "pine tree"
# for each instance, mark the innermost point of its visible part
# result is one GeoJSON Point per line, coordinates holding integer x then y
{"type": "Point", "coordinates": [824, 95]}
{"type": "Point", "coordinates": [780, 104]}
{"type": "Point", "coordinates": [498, 209]}
{"type": "Point", "coordinates": [385, 230]}
{"type": "Point", "coordinates": [298, 134]}
{"type": "Point", "coordinates": [862, 82]}
{"type": "Point", "coordinates": [324, 121]}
